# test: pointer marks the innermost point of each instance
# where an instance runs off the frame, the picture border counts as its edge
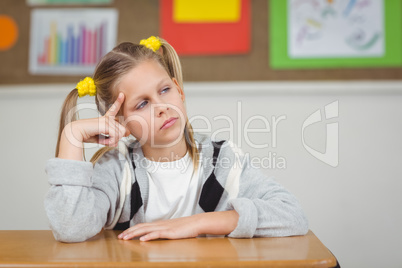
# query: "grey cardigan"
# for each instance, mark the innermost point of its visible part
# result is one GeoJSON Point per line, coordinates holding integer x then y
{"type": "Point", "coordinates": [83, 198]}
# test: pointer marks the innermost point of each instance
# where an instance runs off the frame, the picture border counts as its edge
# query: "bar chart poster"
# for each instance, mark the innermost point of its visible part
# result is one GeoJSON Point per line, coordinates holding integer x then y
{"type": "Point", "coordinates": [70, 41]}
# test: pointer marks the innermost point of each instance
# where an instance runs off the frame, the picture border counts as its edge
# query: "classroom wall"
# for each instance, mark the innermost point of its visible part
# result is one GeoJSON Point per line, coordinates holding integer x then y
{"type": "Point", "coordinates": [353, 208]}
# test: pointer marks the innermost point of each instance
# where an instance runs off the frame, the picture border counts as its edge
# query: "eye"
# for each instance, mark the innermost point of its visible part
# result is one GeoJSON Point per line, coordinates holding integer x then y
{"type": "Point", "coordinates": [141, 105]}
{"type": "Point", "coordinates": [165, 90]}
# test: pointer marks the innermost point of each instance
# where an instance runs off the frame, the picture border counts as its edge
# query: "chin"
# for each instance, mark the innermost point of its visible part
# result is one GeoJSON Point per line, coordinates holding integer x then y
{"type": "Point", "coordinates": [170, 139]}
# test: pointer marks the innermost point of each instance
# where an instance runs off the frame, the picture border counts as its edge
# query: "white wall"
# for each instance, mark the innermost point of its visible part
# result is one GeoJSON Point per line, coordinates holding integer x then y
{"type": "Point", "coordinates": [353, 208]}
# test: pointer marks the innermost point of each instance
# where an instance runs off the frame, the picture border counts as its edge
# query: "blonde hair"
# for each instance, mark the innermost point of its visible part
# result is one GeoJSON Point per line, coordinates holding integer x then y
{"type": "Point", "coordinates": [112, 67]}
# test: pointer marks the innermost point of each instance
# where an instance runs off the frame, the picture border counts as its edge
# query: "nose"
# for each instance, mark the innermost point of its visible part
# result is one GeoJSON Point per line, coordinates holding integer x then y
{"type": "Point", "coordinates": [161, 108]}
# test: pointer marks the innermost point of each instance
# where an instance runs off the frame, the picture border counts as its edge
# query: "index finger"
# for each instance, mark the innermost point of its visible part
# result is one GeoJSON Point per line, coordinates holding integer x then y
{"type": "Point", "coordinates": [116, 105]}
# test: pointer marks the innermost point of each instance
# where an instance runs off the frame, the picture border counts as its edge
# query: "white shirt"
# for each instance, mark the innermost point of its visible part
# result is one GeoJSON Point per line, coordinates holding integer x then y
{"type": "Point", "coordinates": [173, 192]}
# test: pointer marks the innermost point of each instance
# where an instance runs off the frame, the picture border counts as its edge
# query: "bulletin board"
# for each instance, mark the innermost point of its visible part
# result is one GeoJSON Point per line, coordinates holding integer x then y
{"type": "Point", "coordinates": [140, 18]}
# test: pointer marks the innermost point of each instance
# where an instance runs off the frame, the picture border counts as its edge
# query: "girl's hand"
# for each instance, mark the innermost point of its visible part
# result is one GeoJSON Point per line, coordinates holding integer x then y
{"type": "Point", "coordinates": [215, 223]}
{"type": "Point", "coordinates": [185, 227]}
{"type": "Point", "coordinates": [91, 130]}
{"type": "Point", "coordinates": [105, 130]}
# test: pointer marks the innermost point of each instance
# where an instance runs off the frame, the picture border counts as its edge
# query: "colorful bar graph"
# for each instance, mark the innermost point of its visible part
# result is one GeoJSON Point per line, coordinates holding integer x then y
{"type": "Point", "coordinates": [86, 47]}
{"type": "Point", "coordinates": [70, 41]}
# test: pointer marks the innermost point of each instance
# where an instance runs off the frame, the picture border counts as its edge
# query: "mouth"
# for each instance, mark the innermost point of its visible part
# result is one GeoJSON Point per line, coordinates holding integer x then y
{"type": "Point", "coordinates": [168, 123]}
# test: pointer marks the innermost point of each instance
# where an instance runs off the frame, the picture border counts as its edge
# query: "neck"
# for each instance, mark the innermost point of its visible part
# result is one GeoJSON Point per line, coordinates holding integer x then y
{"type": "Point", "coordinates": [168, 154]}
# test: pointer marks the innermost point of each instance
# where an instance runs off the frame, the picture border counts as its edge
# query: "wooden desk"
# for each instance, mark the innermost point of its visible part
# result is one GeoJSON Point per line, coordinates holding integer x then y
{"type": "Point", "coordinates": [39, 249]}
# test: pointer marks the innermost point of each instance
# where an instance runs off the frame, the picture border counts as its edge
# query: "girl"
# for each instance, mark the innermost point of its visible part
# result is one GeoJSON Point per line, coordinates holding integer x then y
{"type": "Point", "coordinates": [139, 185]}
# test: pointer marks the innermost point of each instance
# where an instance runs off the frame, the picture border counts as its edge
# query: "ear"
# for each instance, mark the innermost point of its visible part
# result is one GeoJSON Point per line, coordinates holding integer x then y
{"type": "Point", "coordinates": [181, 92]}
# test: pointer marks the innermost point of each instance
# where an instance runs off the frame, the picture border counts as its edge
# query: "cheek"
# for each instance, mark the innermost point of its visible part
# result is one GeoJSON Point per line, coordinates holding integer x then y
{"type": "Point", "coordinates": [178, 105]}
{"type": "Point", "coordinates": [182, 110]}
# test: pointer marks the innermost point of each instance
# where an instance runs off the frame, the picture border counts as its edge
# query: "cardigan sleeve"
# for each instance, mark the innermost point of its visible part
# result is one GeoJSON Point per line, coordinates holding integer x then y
{"type": "Point", "coordinates": [266, 208]}
{"type": "Point", "coordinates": [82, 198]}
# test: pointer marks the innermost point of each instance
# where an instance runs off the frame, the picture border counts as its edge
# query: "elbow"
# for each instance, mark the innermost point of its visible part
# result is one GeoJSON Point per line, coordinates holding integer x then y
{"type": "Point", "coordinates": [294, 223]}
{"type": "Point", "coordinates": [74, 231]}
{"type": "Point", "coordinates": [305, 227]}
{"type": "Point", "coordinates": [73, 234]}
{"type": "Point", "coordinates": [300, 224]}
{"type": "Point", "coordinates": [73, 224]}
{"type": "Point", "coordinates": [301, 228]}
{"type": "Point", "coordinates": [68, 237]}
{"type": "Point", "coordinates": [294, 227]}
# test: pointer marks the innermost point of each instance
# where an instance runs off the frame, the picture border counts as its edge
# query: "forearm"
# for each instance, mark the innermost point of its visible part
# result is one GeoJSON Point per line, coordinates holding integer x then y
{"type": "Point", "coordinates": [218, 222]}
{"type": "Point", "coordinates": [70, 146]}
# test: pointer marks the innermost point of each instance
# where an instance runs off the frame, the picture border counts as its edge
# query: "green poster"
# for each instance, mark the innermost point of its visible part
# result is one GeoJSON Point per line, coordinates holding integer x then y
{"type": "Point", "coordinates": [333, 34]}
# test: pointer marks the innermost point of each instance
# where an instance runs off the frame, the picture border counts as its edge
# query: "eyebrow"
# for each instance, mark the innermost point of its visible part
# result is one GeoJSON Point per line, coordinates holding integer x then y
{"type": "Point", "coordinates": [134, 100]}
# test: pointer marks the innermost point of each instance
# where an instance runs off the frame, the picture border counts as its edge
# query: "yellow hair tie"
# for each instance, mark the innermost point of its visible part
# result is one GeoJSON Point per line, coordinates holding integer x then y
{"type": "Point", "coordinates": [152, 43]}
{"type": "Point", "coordinates": [86, 86]}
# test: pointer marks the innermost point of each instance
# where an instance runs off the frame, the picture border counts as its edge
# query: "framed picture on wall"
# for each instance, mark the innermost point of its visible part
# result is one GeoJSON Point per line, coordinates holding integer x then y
{"type": "Point", "coordinates": [334, 33]}
{"type": "Point", "coordinates": [70, 41]}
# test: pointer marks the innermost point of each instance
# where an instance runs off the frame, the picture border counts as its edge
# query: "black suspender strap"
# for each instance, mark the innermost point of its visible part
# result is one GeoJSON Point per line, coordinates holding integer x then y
{"type": "Point", "coordinates": [212, 190]}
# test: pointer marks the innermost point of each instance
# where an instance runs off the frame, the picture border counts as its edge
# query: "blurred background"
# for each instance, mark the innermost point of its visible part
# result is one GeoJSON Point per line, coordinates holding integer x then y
{"type": "Point", "coordinates": [312, 90]}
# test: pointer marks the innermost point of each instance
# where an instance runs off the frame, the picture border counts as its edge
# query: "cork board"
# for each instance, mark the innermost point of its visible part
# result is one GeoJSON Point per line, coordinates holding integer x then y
{"type": "Point", "coordinates": [140, 18]}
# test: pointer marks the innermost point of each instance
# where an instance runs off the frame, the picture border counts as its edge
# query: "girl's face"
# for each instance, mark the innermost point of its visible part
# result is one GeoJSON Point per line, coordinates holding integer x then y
{"type": "Point", "coordinates": [152, 98]}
